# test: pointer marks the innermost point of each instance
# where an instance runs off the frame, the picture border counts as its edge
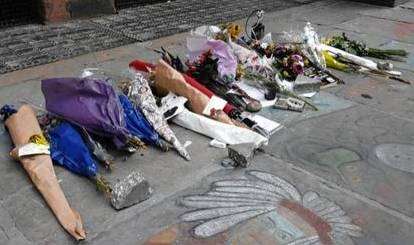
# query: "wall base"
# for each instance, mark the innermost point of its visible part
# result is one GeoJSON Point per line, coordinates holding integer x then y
{"type": "Point", "coordinates": [388, 3]}
{"type": "Point", "coordinates": [60, 10]}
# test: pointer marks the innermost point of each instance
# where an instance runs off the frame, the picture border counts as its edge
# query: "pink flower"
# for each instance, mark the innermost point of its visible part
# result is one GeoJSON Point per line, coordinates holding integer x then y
{"type": "Point", "coordinates": [297, 68]}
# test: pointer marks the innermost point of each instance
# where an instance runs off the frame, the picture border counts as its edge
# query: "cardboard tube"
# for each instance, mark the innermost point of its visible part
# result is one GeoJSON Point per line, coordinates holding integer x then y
{"type": "Point", "coordinates": [22, 125]}
{"type": "Point", "coordinates": [169, 79]}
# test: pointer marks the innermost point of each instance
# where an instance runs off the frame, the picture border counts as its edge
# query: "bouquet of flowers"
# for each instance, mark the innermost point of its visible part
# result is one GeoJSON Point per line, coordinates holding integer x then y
{"type": "Point", "coordinates": [139, 91]}
{"type": "Point", "coordinates": [343, 42]}
{"type": "Point", "coordinates": [205, 70]}
{"type": "Point", "coordinates": [289, 61]}
{"type": "Point", "coordinates": [32, 150]}
{"type": "Point", "coordinates": [101, 113]}
{"type": "Point", "coordinates": [69, 150]}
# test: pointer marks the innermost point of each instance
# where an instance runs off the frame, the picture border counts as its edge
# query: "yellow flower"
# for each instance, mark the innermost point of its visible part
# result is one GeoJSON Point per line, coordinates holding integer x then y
{"type": "Point", "coordinates": [333, 63]}
{"type": "Point", "coordinates": [234, 30]}
{"type": "Point", "coordinates": [240, 72]}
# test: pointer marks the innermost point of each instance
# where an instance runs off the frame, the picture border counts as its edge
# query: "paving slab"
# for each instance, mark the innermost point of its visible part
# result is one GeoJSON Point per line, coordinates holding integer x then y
{"type": "Point", "coordinates": [341, 147]}
{"type": "Point", "coordinates": [167, 173]}
{"type": "Point", "coordinates": [396, 30]}
{"type": "Point", "coordinates": [164, 223]}
{"type": "Point", "coordinates": [396, 14]}
{"type": "Point", "coordinates": [9, 234]}
{"type": "Point", "coordinates": [325, 102]}
{"type": "Point", "coordinates": [388, 96]}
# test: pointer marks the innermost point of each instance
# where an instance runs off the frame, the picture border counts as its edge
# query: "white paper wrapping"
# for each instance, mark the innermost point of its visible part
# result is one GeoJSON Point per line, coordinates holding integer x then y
{"type": "Point", "coordinates": [229, 134]}
{"type": "Point", "coordinates": [226, 133]}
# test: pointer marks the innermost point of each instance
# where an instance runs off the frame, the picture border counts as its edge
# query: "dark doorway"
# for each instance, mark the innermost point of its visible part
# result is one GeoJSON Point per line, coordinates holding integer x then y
{"type": "Point", "coordinates": [121, 4]}
{"type": "Point", "coordinates": [19, 12]}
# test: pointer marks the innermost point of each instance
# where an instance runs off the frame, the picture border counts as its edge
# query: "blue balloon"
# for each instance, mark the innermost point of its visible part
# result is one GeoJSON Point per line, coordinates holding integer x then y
{"type": "Point", "coordinates": [137, 124]}
{"type": "Point", "coordinates": [68, 149]}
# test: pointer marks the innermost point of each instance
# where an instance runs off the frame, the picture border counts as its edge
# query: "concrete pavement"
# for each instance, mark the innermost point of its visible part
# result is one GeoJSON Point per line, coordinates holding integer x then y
{"type": "Point", "coordinates": [346, 170]}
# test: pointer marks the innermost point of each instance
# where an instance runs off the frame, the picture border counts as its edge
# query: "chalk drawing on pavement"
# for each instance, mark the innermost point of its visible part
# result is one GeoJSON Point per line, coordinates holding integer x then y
{"type": "Point", "coordinates": [397, 156]}
{"type": "Point", "coordinates": [265, 207]}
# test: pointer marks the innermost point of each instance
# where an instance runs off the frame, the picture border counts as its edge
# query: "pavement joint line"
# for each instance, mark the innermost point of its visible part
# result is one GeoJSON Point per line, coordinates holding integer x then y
{"type": "Point", "coordinates": [407, 7]}
{"type": "Point", "coordinates": [362, 198]}
{"type": "Point", "coordinates": [157, 199]}
{"type": "Point", "coordinates": [110, 31]}
{"type": "Point", "coordinates": [385, 18]}
{"type": "Point", "coordinates": [388, 113]}
{"type": "Point", "coordinates": [16, 193]}
{"type": "Point", "coordinates": [353, 104]}
{"type": "Point", "coordinates": [337, 27]}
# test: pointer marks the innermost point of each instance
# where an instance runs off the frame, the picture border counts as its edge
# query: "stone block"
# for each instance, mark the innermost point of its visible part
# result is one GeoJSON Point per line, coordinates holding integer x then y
{"type": "Point", "coordinates": [132, 190]}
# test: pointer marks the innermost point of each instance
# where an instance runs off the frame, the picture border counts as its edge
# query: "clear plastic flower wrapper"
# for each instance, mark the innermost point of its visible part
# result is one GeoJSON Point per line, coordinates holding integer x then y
{"type": "Point", "coordinates": [225, 133]}
{"type": "Point", "coordinates": [227, 63]}
{"type": "Point", "coordinates": [24, 130]}
{"type": "Point", "coordinates": [312, 47]}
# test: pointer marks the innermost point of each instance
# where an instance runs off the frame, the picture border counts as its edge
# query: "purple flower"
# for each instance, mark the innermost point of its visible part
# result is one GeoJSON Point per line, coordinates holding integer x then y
{"type": "Point", "coordinates": [280, 51]}
{"type": "Point", "coordinates": [296, 58]}
{"type": "Point", "coordinates": [297, 68]}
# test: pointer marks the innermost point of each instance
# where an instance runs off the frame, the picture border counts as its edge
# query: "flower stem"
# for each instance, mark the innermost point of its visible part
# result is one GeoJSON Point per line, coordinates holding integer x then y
{"type": "Point", "coordinates": [103, 185]}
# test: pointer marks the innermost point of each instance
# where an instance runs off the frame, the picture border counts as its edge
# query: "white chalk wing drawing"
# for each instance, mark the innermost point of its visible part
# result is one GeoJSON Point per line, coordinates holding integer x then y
{"type": "Point", "coordinates": [307, 219]}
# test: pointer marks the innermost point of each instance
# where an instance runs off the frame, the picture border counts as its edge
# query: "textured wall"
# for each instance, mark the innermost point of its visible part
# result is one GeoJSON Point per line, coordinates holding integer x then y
{"type": "Point", "coordinates": [17, 12]}
{"type": "Point", "coordinates": [59, 10]}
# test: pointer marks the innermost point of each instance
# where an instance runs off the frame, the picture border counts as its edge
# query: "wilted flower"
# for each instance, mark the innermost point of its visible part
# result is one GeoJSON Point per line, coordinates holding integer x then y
{"type": "Point", "coordinates": [280, 51]}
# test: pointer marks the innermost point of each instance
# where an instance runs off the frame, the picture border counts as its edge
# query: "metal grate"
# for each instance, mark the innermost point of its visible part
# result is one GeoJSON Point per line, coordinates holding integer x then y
{"type": "Point", "coordinates": [18, 12]}
{"type": "Point", "coordinates": [122, 4]}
